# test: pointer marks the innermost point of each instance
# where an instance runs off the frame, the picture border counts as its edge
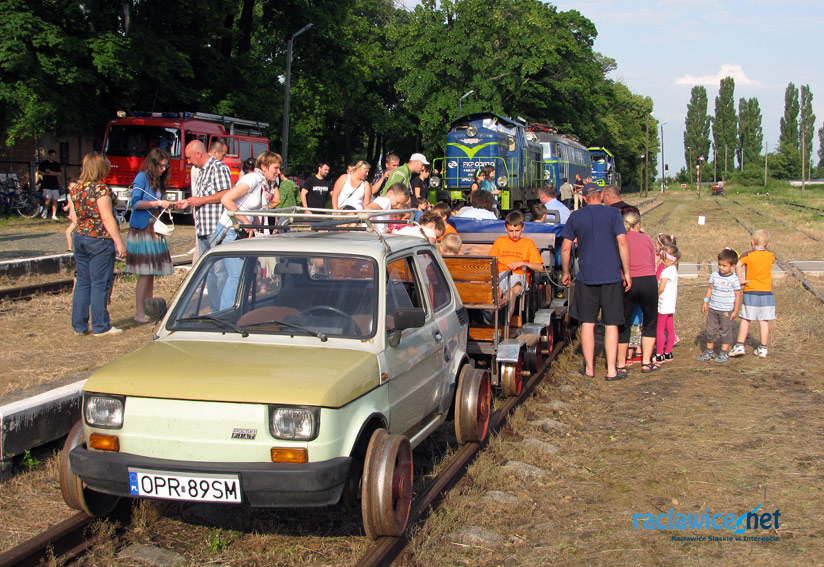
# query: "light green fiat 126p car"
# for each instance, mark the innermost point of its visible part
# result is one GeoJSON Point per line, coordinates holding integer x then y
{"type": "Point", "coordinates": [290, 370]}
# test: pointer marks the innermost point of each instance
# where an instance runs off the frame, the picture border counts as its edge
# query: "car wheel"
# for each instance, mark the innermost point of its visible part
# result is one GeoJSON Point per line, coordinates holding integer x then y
{"type": "Point", "coordinates": [386, 487]}
{"type": "Point", "coordinates": [76, 494]}
{"type": "Point", "coordinates": [472, 405]}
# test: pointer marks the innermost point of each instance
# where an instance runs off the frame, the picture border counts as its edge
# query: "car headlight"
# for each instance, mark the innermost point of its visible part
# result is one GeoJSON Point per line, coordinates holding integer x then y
{"type": "Point", "coordinates": [103, 411]}
{"type": "Point", "coordinates": [296, 423]}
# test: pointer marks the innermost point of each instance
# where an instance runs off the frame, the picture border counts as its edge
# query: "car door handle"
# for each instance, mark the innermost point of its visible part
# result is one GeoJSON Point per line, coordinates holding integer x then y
{"type": "Point", "coordinates": [438, 336]}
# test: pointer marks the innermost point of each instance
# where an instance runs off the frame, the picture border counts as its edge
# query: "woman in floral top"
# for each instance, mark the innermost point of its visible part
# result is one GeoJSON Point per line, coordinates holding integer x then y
{"type": "Point", "coordinates": [96, 243]}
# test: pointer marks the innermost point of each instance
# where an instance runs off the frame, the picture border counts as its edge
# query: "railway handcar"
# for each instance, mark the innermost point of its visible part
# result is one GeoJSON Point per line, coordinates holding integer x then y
{"type": "Point", "coordinates": [477, 140]}
{"type": "Point", "coordinates": [562, 156]}
{"type": "Point", "coordinates": [603, 167]}
{"type": "Point", "coordinates": [511, 348]}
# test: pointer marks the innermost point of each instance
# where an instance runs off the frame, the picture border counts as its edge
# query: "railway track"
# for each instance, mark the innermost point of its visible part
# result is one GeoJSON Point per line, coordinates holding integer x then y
{"type": "Point", "coordinates": [789, 268]}
{"type": "Point", "coordinates": [806, 208]}
{"type": "Point", "coordinates": [26, 292]}
{"type": "Point", "coordinates": [779, 221]}
{"type": "Point", "coordinates": [68, 540]}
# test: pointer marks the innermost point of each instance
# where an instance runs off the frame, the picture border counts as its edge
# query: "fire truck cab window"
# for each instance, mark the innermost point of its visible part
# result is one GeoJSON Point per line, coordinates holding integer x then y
{"type": "Point", "coordinates": [137, 141]}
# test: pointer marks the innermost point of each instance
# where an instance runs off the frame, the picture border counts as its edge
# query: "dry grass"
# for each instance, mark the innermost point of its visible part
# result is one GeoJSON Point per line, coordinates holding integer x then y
{"type": "Point", "coordinates": [691, 436]}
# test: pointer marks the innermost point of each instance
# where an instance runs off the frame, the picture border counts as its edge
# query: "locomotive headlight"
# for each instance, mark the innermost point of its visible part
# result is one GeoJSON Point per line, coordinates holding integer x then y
{"type": "Point", "coordinates": [471, 131]}
{"type": "Point", "coordinates": [435, 182]}
{"type": "Point", "coordinates": [300, 424]}
{"type": "Point", "coordinates": [502, 181]}
{"type": "Point", "coordinates": [103, 411]}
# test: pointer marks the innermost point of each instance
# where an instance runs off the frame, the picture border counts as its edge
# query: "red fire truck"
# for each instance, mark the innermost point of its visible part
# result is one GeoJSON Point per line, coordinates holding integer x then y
{"type": "Point", "coordinates": [129, 138]}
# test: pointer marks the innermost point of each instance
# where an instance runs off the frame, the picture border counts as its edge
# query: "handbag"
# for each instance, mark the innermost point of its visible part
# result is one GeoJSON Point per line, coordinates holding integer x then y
{"type": "Point", "coordinates": [159, 226]}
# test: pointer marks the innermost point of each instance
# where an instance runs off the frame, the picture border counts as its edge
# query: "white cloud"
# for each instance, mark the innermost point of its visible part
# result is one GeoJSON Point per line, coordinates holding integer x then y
{"type": "Point", "coordinates": [727, 70]}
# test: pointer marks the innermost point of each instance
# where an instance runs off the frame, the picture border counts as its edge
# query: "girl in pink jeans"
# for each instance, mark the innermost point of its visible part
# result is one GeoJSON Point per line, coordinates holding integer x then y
{"type": "Point", "coordinates": [667, 298]}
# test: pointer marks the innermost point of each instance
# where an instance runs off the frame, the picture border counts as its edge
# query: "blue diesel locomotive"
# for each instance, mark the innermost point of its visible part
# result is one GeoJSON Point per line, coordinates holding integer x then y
{"type": "Point", "coordinates": [525, 157]}
{"type": "Point", "coordinates": [563, 157]}
{"type": "Point", "coordinates": [603, 167]}
{"type": "Point", "coordinates": [483, 139]}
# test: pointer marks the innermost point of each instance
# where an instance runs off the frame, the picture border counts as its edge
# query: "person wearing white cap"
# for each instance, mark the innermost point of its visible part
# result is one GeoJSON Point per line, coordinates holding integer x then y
{"type": "Point", "coordinates": [404, 173]}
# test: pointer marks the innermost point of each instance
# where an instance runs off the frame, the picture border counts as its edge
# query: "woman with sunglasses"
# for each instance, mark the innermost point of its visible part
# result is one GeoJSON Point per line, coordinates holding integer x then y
{"type": "Point", "coordinates": [147, 253]}
{"type": "Point", "coordinates": [352, 191]}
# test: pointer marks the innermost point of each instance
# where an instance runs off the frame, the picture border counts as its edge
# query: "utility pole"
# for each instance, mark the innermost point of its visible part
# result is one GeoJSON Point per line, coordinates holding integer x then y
{"type": "Point", "coordinates": [646, 157]}
{"type": "Point", "coordinates": [803, 153]}
{"type": "Point", "coordinates": [714, 164]}
{"type": "Point", "coordinates": [766, 160]}
{"type": "Point", "coordinates": [663, 161]}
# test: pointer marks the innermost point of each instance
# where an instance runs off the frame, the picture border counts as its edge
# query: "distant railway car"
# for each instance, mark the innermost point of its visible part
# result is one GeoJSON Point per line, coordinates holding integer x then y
{"type": "Point", "coordinates": [562, 156]}
{"type": "Point", "coordinates": [603, 167]}
{"type": "Point", "coordinates": [483, 139]}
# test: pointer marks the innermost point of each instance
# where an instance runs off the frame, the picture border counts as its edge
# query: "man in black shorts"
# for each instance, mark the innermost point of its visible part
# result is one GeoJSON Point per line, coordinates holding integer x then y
{"type": "Point", "coordinates": [316, 192]}
{"type": "Point", "coordinates": [602, 253]}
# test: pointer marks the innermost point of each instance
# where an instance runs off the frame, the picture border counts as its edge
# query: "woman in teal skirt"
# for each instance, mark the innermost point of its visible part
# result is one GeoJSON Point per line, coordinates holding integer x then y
{"type": "Point", "coordinates": [147, 253]}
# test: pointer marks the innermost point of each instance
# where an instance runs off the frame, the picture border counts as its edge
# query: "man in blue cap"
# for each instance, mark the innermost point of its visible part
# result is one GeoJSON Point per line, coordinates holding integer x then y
{"type": "Point", "coordinates": [603, 253]}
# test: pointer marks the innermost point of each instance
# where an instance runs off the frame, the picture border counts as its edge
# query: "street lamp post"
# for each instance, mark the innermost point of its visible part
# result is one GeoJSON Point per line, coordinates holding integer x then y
{"type": "Point", "coordinates": [460, 100]}
{"type": "Point", "coordinates": [288, 87]}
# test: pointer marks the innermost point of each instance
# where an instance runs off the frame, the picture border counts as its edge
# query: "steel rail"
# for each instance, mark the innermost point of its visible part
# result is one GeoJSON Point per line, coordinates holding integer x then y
{"type": "Point", "coordinates": [779, 221]}
{"type": "Point", "coordinates": [789, 268]}
{"type": "Point", "coordinates": [26, 292]}
{"type": "Point", "coordinates": [386, 549]}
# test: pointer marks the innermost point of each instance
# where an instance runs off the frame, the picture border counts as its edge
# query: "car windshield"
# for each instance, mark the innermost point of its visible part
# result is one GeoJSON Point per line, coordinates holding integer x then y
{"type": "Point", "coordinates": [321, 296]}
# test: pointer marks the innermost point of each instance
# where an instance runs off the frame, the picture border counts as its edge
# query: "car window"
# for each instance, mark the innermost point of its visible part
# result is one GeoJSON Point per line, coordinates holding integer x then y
{"type": "Point", "coordinates": [280, 294]}
{"type": "Point", "coordinates": [434, 280]}
{"type": "Point", "coordinates": [402, 290]}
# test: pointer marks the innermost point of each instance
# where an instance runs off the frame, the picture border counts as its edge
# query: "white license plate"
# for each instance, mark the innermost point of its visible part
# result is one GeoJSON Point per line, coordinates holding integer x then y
{"type": "Point", "coordinates": [184, 486]}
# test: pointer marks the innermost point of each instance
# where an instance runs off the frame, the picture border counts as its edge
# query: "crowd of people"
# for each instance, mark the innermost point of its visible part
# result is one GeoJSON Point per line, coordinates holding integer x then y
{"type": "Point", "coordinates": [626, 280]}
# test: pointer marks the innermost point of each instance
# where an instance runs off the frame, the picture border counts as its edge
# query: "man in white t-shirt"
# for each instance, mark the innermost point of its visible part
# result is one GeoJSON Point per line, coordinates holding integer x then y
{"type": "Point", "coordinates": [482, 207]}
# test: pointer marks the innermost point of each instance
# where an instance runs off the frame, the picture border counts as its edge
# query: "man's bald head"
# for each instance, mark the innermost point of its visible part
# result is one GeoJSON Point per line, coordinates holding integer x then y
{"type": "Point", "coordinates": [196, 154]}
{"type": "Point", "coordinates": [611, 194]}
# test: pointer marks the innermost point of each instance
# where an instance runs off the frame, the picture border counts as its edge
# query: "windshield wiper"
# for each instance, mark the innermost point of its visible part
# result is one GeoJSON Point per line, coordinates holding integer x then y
{"type": "Point", "coordinates": [322, 336]}
{"type": "Point", "coordinates": [220, 323]}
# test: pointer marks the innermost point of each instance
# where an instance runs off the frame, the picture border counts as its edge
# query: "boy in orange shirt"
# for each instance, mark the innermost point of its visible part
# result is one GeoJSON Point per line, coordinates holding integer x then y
{"type": "Point", "coordinates": [514, 253]}
{"type": "Point", "coordinates": [759, 302]}
{"type": "Point", "coordinates": [445, 211]}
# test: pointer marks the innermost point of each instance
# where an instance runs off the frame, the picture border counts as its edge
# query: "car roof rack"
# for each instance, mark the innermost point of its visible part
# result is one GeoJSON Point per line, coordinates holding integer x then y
{"type": "Point", "coordinates": [304, 219]}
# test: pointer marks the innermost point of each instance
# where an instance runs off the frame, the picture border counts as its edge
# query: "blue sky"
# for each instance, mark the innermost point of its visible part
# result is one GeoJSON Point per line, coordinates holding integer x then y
{"type": "Point", "coordinates": [663, 48]}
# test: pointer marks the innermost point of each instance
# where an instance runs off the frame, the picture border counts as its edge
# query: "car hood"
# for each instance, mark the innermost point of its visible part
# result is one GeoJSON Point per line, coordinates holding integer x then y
{"type": "Point", "coordinates": [233, 372]}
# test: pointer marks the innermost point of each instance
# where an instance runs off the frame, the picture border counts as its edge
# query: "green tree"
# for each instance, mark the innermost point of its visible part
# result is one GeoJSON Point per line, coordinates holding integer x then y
{"type": "Point", "coordinates": [750, 134]}
{"type": "Point", "coordinates": [821, 148]}
{"type": "Point", "coordinates": [697, 127]}
{"type": "Point", "coordinates": [788, 162]}
{"type": "Point", "coordinates": [724, 123]}
{"type": "Point", "coordinates": [806, 129]}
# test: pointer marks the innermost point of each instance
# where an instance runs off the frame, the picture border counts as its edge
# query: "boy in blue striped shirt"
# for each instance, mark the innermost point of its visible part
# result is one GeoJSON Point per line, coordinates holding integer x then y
{"type": "Point", "coordinates": [721, 305]}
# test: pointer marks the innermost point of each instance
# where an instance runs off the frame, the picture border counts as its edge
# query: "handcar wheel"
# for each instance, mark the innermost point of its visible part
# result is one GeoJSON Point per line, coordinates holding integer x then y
{"type": "Point", "coordinates": [386, 487]}
{"type": "Point", "coordinates": [472, 405]}
{"type": "Point", "coordinates": [533, 356]}
{"type": "Point", "coordinates": [76, 494]}
{"type": "Point", "coordinates": [512, 377]}
{"type": "Point", "coordinates": [548, 339]}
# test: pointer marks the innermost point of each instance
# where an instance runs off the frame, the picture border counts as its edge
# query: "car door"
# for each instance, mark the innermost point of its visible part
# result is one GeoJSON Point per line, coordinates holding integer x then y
{"type": "Point", "coordinates": [415, 364]}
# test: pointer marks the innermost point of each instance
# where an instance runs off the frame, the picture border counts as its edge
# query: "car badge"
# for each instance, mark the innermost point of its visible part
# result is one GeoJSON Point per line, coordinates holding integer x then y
{"type": "Point", "coordinates": [244, 433]}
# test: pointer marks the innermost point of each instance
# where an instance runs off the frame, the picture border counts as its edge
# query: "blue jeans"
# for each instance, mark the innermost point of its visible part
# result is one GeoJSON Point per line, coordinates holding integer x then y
{"type": "Point", "coordinates": [94, 262]}
{"type": "Point", "coordinates": [232, 267]}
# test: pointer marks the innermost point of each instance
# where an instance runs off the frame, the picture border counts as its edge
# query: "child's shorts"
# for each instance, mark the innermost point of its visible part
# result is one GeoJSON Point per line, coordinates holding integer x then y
{"type": "Point", "coordinates": [758, 306]}
{"type": "Point", "coordinates": [506, 282]}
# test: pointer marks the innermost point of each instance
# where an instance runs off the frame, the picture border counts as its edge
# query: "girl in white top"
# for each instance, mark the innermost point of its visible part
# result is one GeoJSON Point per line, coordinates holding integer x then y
{"type": "Point", "coordinates": [352, 190]}
{"type": "Point", "coordinates": [249, 194]}
{"type": "Point", "coordinates": [667, 298]}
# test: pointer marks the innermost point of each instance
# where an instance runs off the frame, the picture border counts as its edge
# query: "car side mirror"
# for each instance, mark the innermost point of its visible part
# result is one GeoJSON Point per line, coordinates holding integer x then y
{"type": "Point", "coordinates": [405, 319]}
{"type": "Point", "coordinates": [155, 308]}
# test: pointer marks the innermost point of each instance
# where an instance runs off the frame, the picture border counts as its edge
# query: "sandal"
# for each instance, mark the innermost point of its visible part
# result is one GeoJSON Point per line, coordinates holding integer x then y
{"type": "Point", "coordinates": [620, 374]}
{"type": "Point", "coordinates": [650, 367]}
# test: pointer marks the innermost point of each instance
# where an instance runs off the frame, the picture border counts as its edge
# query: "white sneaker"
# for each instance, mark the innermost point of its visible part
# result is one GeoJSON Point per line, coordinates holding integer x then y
{"type": "Point", "coordinates": [761, 351]}
{"type": "Point", "coordinates": [737, 350]}
{"type": "Point", "coordinates": [54, 217]}
{"type": "Point", "coordinates": [44, 214]}
{"type": "Point", "coordinates": [111, 331]}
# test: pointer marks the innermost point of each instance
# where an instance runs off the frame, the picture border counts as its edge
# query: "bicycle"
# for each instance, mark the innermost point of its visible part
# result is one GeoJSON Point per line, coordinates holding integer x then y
{"type": "Point", "coordinates": [14, 199]}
